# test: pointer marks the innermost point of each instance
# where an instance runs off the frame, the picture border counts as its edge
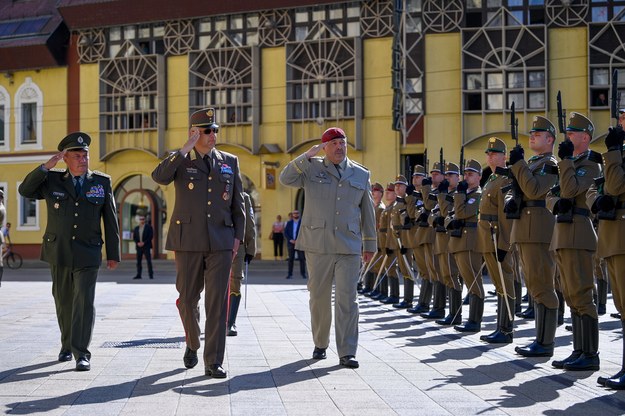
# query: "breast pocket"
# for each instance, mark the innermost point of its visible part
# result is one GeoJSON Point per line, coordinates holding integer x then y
{"type": "Point", "coordinates": [321, 187]}
{"type": "Point", "coordinates": [355, 192]}
{"type": "Point", "coordinates": [57, 204]}
{"type": "Point", "coordinates": [95, 205]}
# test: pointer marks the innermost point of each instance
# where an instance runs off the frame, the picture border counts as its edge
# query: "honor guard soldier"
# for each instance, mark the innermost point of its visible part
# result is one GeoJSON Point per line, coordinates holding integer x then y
{"type": "Point", "coordinates": [377, 192]}
{"type": "Point", "coordinates": [423, 237]}
{"type": "Point", "coordinates": [575, 241]}
{"type": "Point", "coordinates": [383, 281]}
{"type": "Point", "coordinates": [245, 255]}
{"type": "Point", "coordinates": [607, 200]}
{"type": "Point", "coordinates": [401, 224]}
{"type": "Point", "coordinates": [205, 231]}
{"type": "Point", "coordinates": [446, 261]}
{"type": "Point", "coordinates": [532, 229]}
{"type": "Point", "coordinates": [78, 201]}
{"type": "Point", "coordinates": [392, 250]}
{"type": "Point", "coordinates": [429, 190]}
{"type": "Point", "coordinates": [493, 242]}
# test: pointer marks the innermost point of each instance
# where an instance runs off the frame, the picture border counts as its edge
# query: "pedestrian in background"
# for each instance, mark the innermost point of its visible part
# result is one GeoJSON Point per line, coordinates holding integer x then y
{"type": "Point", "coordinates": [142, 235]}
{"type": "Point", "coordinates": [291, 231]}
{"type": "Point", "coordinates": [277, 235]}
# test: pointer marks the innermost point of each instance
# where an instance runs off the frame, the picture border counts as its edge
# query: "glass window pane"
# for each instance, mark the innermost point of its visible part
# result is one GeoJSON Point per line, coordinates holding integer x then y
{"type": "Point", "coordinates": [159, 31]}
{"type": "Point", "coordinates": [536, 79]}
{"type": "Point", "coordinates": [29, 123]}
{"type": "Point", "coordinates": [474, 81]}
{"type": "Point", "coordinates": [515, 80]}
{"type": "Point", "coordinates": [413, 6]}
{"type": "Point", "coordinates": [536, 100]}
{"type": "Point", "coordinates": [353, 11]}
{"type": "Point", "coordinates": [494, 102]}
{"type": "Point", "coordinates": [115, 33]}
{"type": "Point", "coordinates": [336, 12]}
{"type": "Point", "coordinates": [599, 14]}
{"type": "Point", "coordinates": [493, 3]}
{"type": "Point", "coordinates": [413, 85]}
{"type": "Point", "coordinates": [600, 76]}
{"type": "Point", "coordinates": [515, 3]}
{"type": "Point", "coordinates": [414, 106]}
{"type": "Point", "coordinates": [205, 26]}
{"type": "Point", "coordinates": [28, 214]}
{"type": "Point", "coordinates": [301, 16]}
{"type": "Point", "coordinates": [518, 100]}
{"type": "Point", "coordinates": [220, 23]}
{"type": "Point", "coordinates": [353, 29]}
{"type": "Point", "coordinates": [474, 4]}
{"type": "Point", "coordinates": [494, 80]}
{"type": "Point", "coordinates": [2, 139]}
{"type": "Point", "coordinates": [144, 32]}
{"type": "Point", "coordinates": [236, 22]}
{"type": "Point", "coordinates": [129, 32]}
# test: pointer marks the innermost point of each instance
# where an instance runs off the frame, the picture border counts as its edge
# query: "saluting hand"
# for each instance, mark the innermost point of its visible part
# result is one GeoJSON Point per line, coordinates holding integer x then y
{"type": "Point", "coordinates": [51, 163]}
{"type": "Point", "coordinates": [315, 149]}
{"type": "Point", "coordinates": [194, 135]}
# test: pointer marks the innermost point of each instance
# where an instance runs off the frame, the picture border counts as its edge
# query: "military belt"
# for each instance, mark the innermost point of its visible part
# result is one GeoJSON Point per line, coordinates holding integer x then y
{"type": "Point", "coordinates": [534, 204]}
{"type": "Point", "coordinates": [397, 227]}
{"type": "Point", "coordinates": [581, 211]}
{"type": "Point", "coordinates": [382, 230]}
{"type": "Point", "coordinates": [470, 224]}
{"type": "Point", "coordinates": [406, 227]}
{"type": "Point", "coordinates": [424, 224]}
{"type": "Point", "coordinates": [487, 217]}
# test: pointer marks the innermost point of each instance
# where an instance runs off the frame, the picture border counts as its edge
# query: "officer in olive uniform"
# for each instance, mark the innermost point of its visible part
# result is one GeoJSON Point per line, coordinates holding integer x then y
{"type": "Point", "coordinates": [337, 233]}
{"type": "Point", "coordinates": [608, 203]}
{"type": "Point", "coordinates": [574, 241]}
{"type": "Point", "coordinates": [205, 230]}
{"type": "Point", "coordinates": [448, 268]}
{"type": "Point", "coordinates": [377, 192]}
{"type": "Point", "coordinates": [382, 278]}
{"type": "Point", "coordinates": [494, 227]}
{"type": "Point", "coordinates": [532, 229]}
{"type": "Point", "coordinates": [462, 241]}
{"type": "Point", "coordinates": [423, 237]}
{"type": "Point", "coordinates": [392, 250]}
{"type": "Point", "coordinates": [401, 225]}
{"type": "Point", "coordinates": [245, 255]}
{"type": "Point", "coordinates": [78, 200]}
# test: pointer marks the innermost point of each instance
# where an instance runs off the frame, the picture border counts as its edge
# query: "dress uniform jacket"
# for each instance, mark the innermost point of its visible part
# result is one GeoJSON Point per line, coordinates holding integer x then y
{"type": "Point", "coordinates": [424, 233]}
{"type": "Point", "coordinates": [441, 243]}
{"type": "Point", "coordinates": [247, 246]}
{"type": "Point", "coordinates": [536, 222]}
{"type": "Point", "coordinates": [491, 213]}
{"type": "Point", "coordinates": [73, 236]}
{"type": "Point", "coordinates": [209, 209]}
{"type": "Point", "coordinates": [465, 210]}
{"type": "Point", "coordinates": [338, 212]}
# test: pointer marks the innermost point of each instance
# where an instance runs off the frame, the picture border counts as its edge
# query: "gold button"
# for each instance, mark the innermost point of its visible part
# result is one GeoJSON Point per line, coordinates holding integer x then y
{"type": "Point", "coordinates": [73, 237]}
{"type": "Point", "coordinates": [209, 215]}
{"type": "Point", "coordinates": [76, 204]}
{"type": "Point", "coordinates": [177, 221]}
{"type": "Point", "coordinates": [338, 199]}
{"type": "Point", "coordinates": [210, 190]}
{"type": "Point", "coordinates": [488, 195]}
{"type": "Point", "coordinates": [528, 212]}
{"type": "Point", "coordinates": [340, 184]}
{"type": "Point", "coordinates": [210, 178]}
{"type": "Point", "coordinates": [75, 214]}
{"type": "Point", "coordinates": [75, 226]}
{"type": "Point", "coordinates": [209, 202]}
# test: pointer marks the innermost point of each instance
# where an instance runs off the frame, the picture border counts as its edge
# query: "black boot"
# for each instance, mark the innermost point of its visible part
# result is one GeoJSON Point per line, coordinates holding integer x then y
{"type": "Point", "coordinates": [425, 296]}
{"type": "Point", "coordinates": [408, 295]}
{"type": "Point", "coordinates": [561, 304]}
{"type": "Point", "coordinates": [476, 312]}
{"type": "Point", "coordinates": [602, 296]}
{"type": "Point", "coordinates": [542, 346]}
{"type": "Point", "coordinates": [505, 324]}
{"type": "Point", "coordinates": [235, 300]}
{"type": "Point", "coordinates": [498, 316]}
{"type": "Point", "coordinates": [438, 306]}
{"type": "Point", "coordinates": [577, 342]}
{"type": "Point", "coordinates": [529, 312]}
{"type": "Point", "coordinates": [589, 360]}
{"type": "Point", "coordinates": [367, 284]}
{"type": "Point", "coordinates": [455, 308]}
{"type": "Point", "coordinates": [518, 293]}
{"type": "Point", "coordinates": [1, 272]}
{"type": "Point", "coordinates": [617, 381]}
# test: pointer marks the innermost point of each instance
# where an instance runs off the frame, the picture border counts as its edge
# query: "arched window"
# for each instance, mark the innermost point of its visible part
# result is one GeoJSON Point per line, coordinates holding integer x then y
{"type": "Point", "coordinates": [5, 112]}
{"type": "Point", "coordinates": [28, 116]}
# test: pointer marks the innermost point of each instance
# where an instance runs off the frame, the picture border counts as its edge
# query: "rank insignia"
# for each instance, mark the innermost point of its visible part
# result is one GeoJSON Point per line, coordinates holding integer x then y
{"type": "Point", "coordinates": [581, 172]}
{"type": "Point", "coordinates": [96, 191]}
{"type": "Point", "coordinates": [471, 201]}
{"type": "Point", "coordinates": [226, 169]}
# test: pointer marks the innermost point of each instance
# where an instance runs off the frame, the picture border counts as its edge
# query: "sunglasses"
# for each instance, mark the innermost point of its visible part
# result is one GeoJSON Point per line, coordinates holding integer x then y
{"type": "Point", "coordinates": [209, 130]}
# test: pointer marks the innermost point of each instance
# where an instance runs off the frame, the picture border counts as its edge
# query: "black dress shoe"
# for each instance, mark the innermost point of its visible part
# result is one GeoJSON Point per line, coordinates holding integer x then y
{"type": "Point", "coordinates": [82, 364]}
{"type": "Point", "coordinates": [349, 361]}
{"type": "Point", "coordinates": [232, 331]}
{"type": "Point", "coordinates": [137, 277]}
{"type": "Point", "coordinates": [190, 358]}
{"type": "Point", "coordinates": [289, 277]}
{"type": "Point", "coordinates": [65, 356]}
{"type": "Point", "coordinates": [319, 354]}
{"type": "Point", "coordinates": [215, 371]}
{"type": "Point", "coordinates": [402, 305]}
{"type": "Point", "coordinates": [419, 309]}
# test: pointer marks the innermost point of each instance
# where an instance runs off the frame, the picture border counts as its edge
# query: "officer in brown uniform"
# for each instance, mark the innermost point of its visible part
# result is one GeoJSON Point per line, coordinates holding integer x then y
{"type": "Point", "coordinates": [422, 239]}
{"type": "Point", "coordinates": [430, 212]}
{"type": "Point", "coordinates": [401, 224]}
{"type": "Point", "coordinates": [205, 230]}
{"type": "Point", "coordinates": [463, 239]}
{"type": "Point", "coordinates": [245, 255]}
{"type": "Point", "coordinates": [608, 203]}
{"type": "Point", "coordinates": [382, 278]}
{"type": "Point", "coordinates": [494, 227]}
{"type": "Point", "coordinates": [377, 192]}
{"type": "Point", "coordinates": [392, 250]}
{"type": "Point", "coordinates": [448, 269]}
{"type": "Point", "coordinates": [532, 229]}
{"type": "Point", "coordinates": [574, 241]}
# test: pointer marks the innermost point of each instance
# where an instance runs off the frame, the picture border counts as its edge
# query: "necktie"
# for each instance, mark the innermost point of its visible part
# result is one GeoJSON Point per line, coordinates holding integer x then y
{"type": "Point", "coordinates": [208, 163]}
{"type": "Point", "coordinates": [338, 169]}
{"type": "Point", "coordinates": [77, 185]}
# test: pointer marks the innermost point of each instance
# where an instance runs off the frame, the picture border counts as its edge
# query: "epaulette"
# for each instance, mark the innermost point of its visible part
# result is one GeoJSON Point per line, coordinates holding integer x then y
{"type": "Point", "coordinates": [362, 166]}
{"type": "Point", "coordinates": [59, 170]}
{"type": "Point", "coordinates": [98, 173]}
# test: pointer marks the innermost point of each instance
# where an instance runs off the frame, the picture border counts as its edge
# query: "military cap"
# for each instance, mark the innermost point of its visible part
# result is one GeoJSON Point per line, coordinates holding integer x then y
{"type": "Point", "coordinates": [579, 122]}
{"type": "Point", "coordinates": [333, 133]}
{"type": "Point", "coordinates": [75, 141]}
{"type": "Point", "coordinates": [418, 171]}
{"type": "Point", "coordinates": [436, 168]}
{"type": "Point", "coordinates": [473, 165]}
{"type": "Point", "coordinates": [400, 179]}
{"type": "Point", "coordinates": [204, 118]}
{"type": "Point", "coordinates": [452, 168]}
{"type": "Point", "coordinates": [377, 186]}
{"type": "Point", "coordinates": [540, 123]}
{"type": "Point", "coordinates": [495, 144]}
{"type": "Point", "coordinates": [390, 186]}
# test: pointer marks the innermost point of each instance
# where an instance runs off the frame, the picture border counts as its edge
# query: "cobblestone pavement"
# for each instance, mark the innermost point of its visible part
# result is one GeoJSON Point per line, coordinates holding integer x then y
{"type": "Point", "coordinates": [407, 365]}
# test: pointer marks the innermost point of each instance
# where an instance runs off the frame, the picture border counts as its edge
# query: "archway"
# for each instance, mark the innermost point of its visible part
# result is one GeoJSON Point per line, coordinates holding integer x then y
{"type": "Point", "coordinates": [139, 195]}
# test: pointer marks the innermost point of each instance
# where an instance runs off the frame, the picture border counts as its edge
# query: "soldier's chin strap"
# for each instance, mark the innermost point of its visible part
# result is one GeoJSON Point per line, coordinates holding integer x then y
{"type": "Point", "coordinates": [493, 234]}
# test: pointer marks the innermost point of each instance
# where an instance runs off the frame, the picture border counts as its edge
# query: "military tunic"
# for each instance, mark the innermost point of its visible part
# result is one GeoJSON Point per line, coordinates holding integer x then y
{"type": "Point", "coordinates": [247, 247]}
{"type": "Point", "coordinates": [446, 263]}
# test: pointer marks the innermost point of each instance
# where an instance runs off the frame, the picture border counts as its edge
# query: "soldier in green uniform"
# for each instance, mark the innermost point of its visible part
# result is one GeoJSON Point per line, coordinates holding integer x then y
{"type": "Point", "coordinates": [205, 230]}
{"type": "Point", "coordinates": [383, 280]}
{"type": "Point", "coordinates": [575, 241]}
{"type": "Point", "coordinates": [494, 227]}
{"type": "Point", "coordinates": [245, 255]}
{"type": "Point", "coordinates": [607, 201]}
{"type": "Point", "coordinates": [422, 239]}
{"type": "Point", "coordinates": [392, 251]}
{"type": "Point", "coordinates": [78, 201]}
{"type": "Point", "coordinates": [463, 239]}
{"type": "Point", "coordinates": [377, 192]}
{"type": "Point", "coordinates": [401, 224]}
{"type": "Point", "coordinates": [532, 229]}
{"type": "Point", "coordinates": [337, 234]}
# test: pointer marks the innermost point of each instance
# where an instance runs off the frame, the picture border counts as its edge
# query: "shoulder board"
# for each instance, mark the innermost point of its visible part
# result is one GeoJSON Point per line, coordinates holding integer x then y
{"type": "Point", "coordinates": [59, 170]}
{"type": "Point", "coordinates": [98, 173]}
{"type": "Point", "coordinates": [362, 166]}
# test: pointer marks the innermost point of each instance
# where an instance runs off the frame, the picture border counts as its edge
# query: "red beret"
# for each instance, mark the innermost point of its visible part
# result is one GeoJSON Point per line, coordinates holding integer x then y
{"type": "Point", "coordinates": [333, 133]}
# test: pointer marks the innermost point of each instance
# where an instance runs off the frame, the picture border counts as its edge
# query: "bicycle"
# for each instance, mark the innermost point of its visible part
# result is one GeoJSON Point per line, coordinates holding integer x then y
{"type": "Point", "coordinates": [12, 259]}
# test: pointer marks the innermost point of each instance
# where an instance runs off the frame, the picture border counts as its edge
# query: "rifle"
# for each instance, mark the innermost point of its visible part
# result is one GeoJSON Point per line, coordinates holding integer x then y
{"type": "Point", "coordinates": [514, 186]}
{"type": "Point", "coordinates": [616, 97]}
{"type": "Point", "coordinates": [561, 116]}
{"type": "Point", "coordinates": [462, 158]}
{"type": "Point", "coordinates": [441, 162]}
{"type": "Point", "coordinates": [426, 162]}
{"type": "Point", "coordinates": [514, 125]}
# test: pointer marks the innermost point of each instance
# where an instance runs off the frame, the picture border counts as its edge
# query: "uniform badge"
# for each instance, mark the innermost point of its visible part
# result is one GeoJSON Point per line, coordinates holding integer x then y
{"type": "Point", "coordinates": [225, 169]}
{"type": "Point", "coordinates": [191, 171]}
{"type": "Point", "coordinates": [419, 203]}
{"type": "Point", "coordinates": [96, 191]}
{"type": "Point", "coordinates": [191, 185]}
{"type": "Point", "coordinates": [225, 196]}
{"type": "Point", "coordinates": [56, 205]}
{"type": "Point", "coordinates": [471, 201]}
{"type": "Point", "coordinates": [581, 172]}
